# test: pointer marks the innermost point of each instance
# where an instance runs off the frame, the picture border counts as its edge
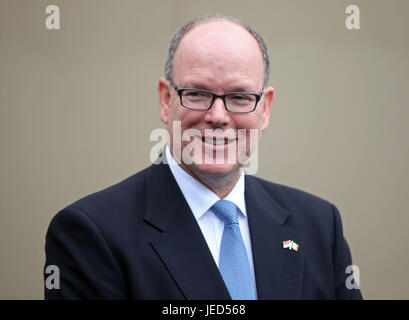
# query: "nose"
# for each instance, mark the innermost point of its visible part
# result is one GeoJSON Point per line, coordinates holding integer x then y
{"type": "Point", "coordinates": [217, 115]}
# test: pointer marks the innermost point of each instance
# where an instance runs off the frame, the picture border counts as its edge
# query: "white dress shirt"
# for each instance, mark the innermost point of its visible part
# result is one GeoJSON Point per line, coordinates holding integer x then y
{"type": "Point", "coordinates": [210, 224]}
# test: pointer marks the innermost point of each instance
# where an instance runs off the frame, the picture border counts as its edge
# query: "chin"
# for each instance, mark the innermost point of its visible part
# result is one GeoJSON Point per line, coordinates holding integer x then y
{"type": "Point", "coordinates": [214, 170]}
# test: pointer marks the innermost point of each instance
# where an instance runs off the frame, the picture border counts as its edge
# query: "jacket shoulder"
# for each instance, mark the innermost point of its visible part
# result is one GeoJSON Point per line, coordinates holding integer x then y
{"type": "Point", "coordinates": [120, 202]}
{"type": "Point", "coordinates": [290, 197]}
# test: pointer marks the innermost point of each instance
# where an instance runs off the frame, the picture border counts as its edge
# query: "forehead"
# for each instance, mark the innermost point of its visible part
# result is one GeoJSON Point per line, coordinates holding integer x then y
{"type": "Point", "coordinates": [221, 51]}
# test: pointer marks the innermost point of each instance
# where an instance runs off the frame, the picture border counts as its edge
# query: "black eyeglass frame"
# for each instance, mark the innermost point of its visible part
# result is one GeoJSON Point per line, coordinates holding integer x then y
{"type": "Point", "coordinates": [179, 91]}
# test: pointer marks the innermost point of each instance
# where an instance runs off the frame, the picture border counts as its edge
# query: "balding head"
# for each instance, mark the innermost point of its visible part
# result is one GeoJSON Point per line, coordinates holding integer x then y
{"type": "Point", "coordinates": [222, 53]}
{"type": "Point", "coordinates": [185, 29]}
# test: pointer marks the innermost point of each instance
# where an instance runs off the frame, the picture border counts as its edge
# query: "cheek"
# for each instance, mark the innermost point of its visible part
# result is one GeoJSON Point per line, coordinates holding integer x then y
{"type": "Point", "coordinates": [189, 118]}
{"type": "Point", "coordinates": [176, 113]}
{"type": "Point", "coordinates": [248, 121]}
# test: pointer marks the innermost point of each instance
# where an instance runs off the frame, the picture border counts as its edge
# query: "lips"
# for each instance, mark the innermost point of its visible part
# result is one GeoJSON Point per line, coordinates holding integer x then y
{"type": "Point", "coordinates": [217, 140]}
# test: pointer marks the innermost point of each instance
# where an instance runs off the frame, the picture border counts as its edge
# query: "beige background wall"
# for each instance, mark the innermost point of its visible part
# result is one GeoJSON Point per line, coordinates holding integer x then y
{"type": "Point", "coordinates": [77, 106]}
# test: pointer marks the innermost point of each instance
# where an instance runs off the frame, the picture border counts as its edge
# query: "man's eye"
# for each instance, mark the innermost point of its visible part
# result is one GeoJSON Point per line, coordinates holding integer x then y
{"type": "Point", "coordinates": [241, 98]}
{"type": "Point", "coordinates": [195, 95]}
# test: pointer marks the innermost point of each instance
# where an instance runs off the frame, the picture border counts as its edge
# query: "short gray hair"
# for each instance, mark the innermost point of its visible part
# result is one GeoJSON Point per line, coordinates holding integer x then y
{"type": "Point", "coordinates": [183, 30]}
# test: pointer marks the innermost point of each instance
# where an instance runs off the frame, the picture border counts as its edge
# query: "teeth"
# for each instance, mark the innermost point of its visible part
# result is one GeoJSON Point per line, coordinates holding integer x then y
{"type": "Point", "coordinates": [216, 141]}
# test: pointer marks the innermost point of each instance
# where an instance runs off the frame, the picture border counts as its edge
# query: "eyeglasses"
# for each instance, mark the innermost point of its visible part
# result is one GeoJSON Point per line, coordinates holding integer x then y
{"type": "Point", "coordinates": [238, 102]}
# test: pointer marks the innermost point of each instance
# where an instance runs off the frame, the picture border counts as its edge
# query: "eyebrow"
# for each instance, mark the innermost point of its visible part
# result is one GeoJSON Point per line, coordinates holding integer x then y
{"type": "Point", "coordinates": [197, 85]}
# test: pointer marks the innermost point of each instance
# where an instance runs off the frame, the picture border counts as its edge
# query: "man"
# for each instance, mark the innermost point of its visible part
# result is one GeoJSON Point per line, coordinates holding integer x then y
{"type": "Point", "coordinates": [198, 228]}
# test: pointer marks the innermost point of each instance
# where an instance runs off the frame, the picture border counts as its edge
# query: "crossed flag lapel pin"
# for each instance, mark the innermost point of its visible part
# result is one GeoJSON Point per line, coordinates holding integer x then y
{"type": "Point", "coordinates": [291, 245]}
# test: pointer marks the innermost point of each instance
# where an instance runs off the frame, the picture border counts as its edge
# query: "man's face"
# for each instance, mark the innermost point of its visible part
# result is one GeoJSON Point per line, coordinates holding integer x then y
{"type": "Point", "coordinates": [220, 57]}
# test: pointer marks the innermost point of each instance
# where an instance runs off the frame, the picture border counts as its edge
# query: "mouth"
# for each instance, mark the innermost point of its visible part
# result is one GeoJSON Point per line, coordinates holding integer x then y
{"type": "Point", "coordinates": [217, 140]}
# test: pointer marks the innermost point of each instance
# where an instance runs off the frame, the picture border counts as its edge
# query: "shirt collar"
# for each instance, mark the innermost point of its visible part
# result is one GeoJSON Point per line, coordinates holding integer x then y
{"type": "Point", "coordinates": [190, 188]}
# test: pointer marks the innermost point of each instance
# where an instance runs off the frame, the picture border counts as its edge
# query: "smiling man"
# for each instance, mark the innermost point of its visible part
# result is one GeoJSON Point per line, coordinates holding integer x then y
{"type": "Point", "coordinates": [197, 227]}
{"type": "Point", "coordinates": [216, 58]}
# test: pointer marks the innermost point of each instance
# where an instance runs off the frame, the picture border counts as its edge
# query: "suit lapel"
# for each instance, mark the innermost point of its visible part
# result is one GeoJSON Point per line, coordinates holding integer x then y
{"type": "Point", "coordinates": [181, 245]}
{"type": "Point", "coordinates": [278, 271]}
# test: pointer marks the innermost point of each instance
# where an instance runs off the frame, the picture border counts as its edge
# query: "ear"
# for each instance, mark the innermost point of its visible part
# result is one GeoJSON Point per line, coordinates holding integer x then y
{"type": "Point", "coordinates": [164, 98]}
{"type": "Point", "coordinates": [267, 102]}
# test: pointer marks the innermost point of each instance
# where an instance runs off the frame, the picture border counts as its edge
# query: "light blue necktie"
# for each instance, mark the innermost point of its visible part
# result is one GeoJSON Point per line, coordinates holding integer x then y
{"type": "Point", "coordinates": [233, 262]}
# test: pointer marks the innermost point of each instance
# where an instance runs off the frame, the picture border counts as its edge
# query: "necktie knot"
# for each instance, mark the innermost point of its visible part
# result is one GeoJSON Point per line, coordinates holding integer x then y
{"type": "Point", "coordinates": [227, 211]}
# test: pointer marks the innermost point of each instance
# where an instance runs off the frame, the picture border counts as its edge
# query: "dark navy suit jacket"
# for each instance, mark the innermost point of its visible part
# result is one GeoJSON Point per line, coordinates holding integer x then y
{"type": "Point", "coordinates": [139, 240]}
